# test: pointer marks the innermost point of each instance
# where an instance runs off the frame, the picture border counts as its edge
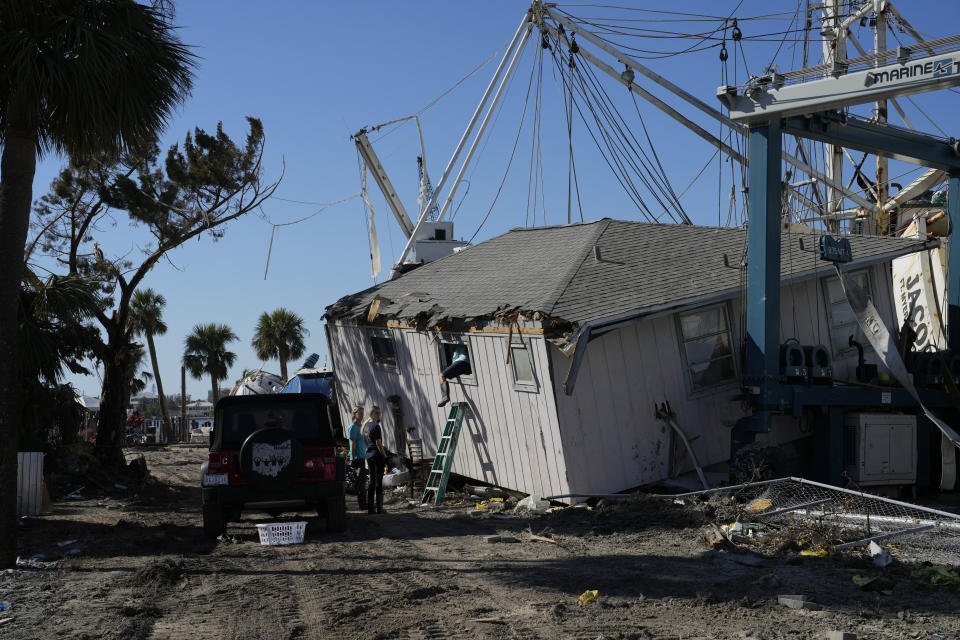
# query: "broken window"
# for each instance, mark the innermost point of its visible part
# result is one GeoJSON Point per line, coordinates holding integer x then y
{"type": "Point", "coordinates": [447, 351]}
{"type": "Point", "coordinates": [707, 352]}
{"type": "Point", "coordinates": [843, 323]}
{"type": "Point", "coordinates": [384, 353]}
{"type": "Point", "coordinates": [522, 364]}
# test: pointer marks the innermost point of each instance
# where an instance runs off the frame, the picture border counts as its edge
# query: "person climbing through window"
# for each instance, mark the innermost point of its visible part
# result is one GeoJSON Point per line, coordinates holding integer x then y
{"type": "Point", "coordinates": [358, 454]}
{"type": "Point", "coordinates": [459, 366]}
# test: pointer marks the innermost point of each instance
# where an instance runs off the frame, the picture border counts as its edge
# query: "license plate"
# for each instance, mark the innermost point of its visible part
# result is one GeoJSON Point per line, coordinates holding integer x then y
{"type": "Point", "coordinates": [214, 479]}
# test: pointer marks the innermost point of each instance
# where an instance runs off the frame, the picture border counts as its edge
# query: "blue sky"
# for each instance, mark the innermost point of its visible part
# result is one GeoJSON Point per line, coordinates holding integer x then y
{"type": "Point", "coordinates": [316, 72]}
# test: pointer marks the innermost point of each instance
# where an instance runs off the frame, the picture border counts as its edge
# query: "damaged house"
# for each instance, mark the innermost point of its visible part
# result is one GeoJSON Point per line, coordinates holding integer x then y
{"type": "Point", "coordinates": [575, 333]}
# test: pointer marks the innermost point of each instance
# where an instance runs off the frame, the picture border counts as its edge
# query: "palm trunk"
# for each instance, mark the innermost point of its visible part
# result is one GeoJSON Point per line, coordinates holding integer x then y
{"type": "Point", "coordinates": [216, 390]}
{"type": "Point", "coordinates": [283, 369]}
{"type": "Point", "coordinates": [117, 373]}
{"type": "Point", "coordinates": [167, 430]}
{"type": "Point", "coordinates": [17, 167]}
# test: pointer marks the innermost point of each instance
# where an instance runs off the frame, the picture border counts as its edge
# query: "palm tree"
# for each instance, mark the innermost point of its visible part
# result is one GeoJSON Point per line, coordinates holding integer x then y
{"type": "Point", "coordinates": [206, 352]}
{"type": "Point", "coordinates": [146, 311]}
{"type": "Point", "coordinates": [279, 335]}
{"type": "Point", "coordinates": [77, 76]}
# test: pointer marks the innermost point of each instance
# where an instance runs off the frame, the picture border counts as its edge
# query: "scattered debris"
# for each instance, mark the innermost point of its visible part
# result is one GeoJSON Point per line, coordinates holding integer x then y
{"type": "Point", "coordinates": [797, 601]}
{"type": "Point", "coordinates": [841, 635]}
{"type": "Point", "coordinates": [490, 620]}
{"type": "Point", "coordinates": [533, 505]}
{"type": "Point", "coordinates": [760, 504]}
{"type": "Point", "coordinates": [395, 478]}
{"type": "Point", "coordinates": [938, 573]}
{"type": "Point", "coordinates": [535, 538]}
{"type": "Point", "coordinates": [122, 487]}
{"type": "Point", "coordinates": [4, 621]}
{"type": "Point", "coordinates": [66, 543]}
{"type": "Point", "coordinates": [814, 553]}
{"type": "Point", "coordinates": [588, 596]}
{"type": "Point", "coordinates": [881, 557]}
{"type": "Point", "coordinates": [485, 492]}
{"type": "Point", "coordinates": [768, 580]}
{"type": "Point", "coordinates": [493, 539]}
{"type": "Point", "coordinates": [882, 584]}
{"type": "Point", "coordinates": [6, 606]}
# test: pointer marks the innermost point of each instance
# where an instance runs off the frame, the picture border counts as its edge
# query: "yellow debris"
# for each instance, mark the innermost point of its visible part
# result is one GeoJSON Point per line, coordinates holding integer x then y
{"type": "Point", "coordinates": [760, 504]}
{"type": "Point", "coordinates": [588, 596]}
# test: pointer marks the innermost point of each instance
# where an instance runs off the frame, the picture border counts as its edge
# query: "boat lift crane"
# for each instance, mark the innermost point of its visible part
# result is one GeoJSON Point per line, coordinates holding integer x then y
{"type": "Point", "coordinates": [795, 104]}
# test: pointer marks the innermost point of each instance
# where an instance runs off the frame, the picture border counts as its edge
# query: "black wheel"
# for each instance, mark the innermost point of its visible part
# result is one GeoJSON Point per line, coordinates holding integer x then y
{"type": "Point", "coordinates": [214, 521]}
{"type": "Point", "coordinates": [335, 511]}
{"type": "Point", "coordinates": [271, 459]}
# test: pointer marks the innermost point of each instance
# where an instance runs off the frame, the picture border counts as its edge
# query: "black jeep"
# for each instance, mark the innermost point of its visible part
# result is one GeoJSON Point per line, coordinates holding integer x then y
{"type": "Point", "coordinates": [272, 453]}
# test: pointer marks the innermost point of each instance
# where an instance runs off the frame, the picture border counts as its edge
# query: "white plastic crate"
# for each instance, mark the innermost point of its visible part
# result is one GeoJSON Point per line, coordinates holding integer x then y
{"type": "Point", "coordinates": [274, 533]}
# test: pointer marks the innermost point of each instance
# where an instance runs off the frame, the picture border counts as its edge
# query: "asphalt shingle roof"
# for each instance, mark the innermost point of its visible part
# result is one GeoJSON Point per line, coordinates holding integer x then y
{"type": "Point", "coordinates": [555, 271]}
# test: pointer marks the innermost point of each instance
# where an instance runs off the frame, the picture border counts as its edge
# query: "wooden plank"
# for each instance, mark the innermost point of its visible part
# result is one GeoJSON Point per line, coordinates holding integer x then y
{"type": "Point", "coordinates": [29, 483]}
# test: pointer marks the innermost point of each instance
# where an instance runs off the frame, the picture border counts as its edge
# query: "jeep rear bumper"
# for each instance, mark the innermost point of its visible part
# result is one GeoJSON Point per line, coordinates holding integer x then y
{"type": "Point", "coordinates": [257, 498]}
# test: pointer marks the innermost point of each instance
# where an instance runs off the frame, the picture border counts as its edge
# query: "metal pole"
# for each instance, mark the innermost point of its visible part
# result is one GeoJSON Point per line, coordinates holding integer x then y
{"type": "Point", "coordinates": [184, 431]}
{"type": "Point", "coordinates": [763, 257]}
{"type": "Point", "coordinates": [953, 264]}
{"type": "Point", "coordinates": [834, 52]}
{"type": "Point", "coordinates": [883, 164]}
{"type": "Point", "coordinates": [463, 139]}
{"type": "Point", "coordinates": [483, 125]}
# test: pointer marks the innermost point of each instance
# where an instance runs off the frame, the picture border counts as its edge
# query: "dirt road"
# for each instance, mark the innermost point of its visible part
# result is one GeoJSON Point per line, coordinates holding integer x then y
{"type": "Point", "coordinates": [136, 566]}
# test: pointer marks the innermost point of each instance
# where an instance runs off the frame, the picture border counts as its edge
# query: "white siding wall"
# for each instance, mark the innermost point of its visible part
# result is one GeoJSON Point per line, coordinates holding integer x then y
{"type": "Point", "coordinates": [611, 438]}
{"type": "Point", "coordinates": [510, 440]}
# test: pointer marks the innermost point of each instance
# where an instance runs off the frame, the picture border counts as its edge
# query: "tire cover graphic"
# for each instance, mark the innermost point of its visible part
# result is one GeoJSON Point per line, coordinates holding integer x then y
{"type": "Point", "coordinates": [271, 458]}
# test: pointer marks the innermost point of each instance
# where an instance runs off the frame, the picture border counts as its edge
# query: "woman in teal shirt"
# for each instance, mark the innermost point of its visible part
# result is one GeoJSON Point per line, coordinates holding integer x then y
{"type": "Point", "coordinates": [358, 454]}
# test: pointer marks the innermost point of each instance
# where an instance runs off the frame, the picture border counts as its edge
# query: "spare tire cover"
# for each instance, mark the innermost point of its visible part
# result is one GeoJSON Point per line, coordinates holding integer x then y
{"type": "Point", "coordinates": [271, 458]}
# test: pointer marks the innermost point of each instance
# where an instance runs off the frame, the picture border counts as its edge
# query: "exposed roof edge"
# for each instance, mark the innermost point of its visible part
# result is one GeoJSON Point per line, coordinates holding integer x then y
{"type": "Point", "coordinates": [596, 328]}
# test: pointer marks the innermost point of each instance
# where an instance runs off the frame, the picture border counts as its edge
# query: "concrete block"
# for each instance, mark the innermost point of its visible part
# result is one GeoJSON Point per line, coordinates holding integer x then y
{"type": "Point", "coordinates": [794, 601]}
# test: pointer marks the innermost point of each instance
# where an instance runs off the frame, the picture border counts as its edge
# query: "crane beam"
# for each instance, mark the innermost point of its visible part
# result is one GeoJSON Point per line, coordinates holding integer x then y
{"type": "Point", "coordinates": [769, 97]}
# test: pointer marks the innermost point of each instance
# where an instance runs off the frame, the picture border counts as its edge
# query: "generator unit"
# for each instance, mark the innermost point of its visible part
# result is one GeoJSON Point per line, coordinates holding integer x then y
{"type": "Point", "coordinates": [880, 448]}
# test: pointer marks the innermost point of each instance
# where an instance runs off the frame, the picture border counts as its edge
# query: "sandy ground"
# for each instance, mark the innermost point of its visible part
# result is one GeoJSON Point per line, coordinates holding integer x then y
{"type": "Point", "coordinates": [136, 566]}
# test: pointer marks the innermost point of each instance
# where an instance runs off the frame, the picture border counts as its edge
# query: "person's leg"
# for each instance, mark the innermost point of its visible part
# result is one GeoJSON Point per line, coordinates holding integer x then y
{"type": "Point", "coordinates": [361, 485]}
{"type": "Point", "coordinates": [457, 369]}
{"type": "Point", "coordinates": [371, 484]}
{"type": "Point", "coordinates": [379, 472]}
{"type": "Point", "coordinates": [444, 392]}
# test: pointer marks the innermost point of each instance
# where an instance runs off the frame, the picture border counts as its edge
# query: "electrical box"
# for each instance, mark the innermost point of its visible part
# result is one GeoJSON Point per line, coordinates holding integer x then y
{"type": "Point", "coordinates": [880, 448]}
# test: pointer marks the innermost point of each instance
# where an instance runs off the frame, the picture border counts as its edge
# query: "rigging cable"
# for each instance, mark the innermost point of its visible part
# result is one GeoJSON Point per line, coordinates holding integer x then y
{"type": "Point", "coordinates": [513, 151]}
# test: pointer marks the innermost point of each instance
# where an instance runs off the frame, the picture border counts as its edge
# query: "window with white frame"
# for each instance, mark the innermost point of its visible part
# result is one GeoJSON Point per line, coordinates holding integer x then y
{"type": "Point", "coordinates": [707, 347]}
{"type": "Point", "coordinates": [384, 352]}
{"type": "Point", "coordinates": [521, 364]}
{"type": "Point", "coordinates": [843, 323]}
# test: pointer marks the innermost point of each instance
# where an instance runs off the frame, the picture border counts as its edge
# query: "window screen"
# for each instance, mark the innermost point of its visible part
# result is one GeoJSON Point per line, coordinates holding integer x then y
{"type": "Point", "coordinates": [384, 353]}
{"type": "Point", "coordinates": [707, 351]}
{"type": "Point", "coordinates": [522, 365]}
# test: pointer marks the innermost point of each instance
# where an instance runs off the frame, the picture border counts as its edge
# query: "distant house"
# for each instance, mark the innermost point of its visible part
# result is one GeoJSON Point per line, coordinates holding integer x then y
{"type": "Point", "coordinates": [575, 332]}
